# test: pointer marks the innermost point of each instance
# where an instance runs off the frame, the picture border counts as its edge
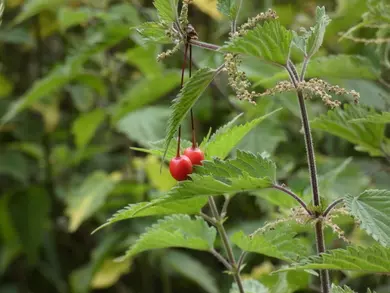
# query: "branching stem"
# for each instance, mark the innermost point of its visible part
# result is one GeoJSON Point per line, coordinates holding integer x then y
{"type": "Point", "coordinates": [332, 206]}
{"type": "Point", "coordinates": [293, 195]}
{"type": "Point", "coordinates": [319, 230]}
{"type": "Point", "coordinates": [226, 244]}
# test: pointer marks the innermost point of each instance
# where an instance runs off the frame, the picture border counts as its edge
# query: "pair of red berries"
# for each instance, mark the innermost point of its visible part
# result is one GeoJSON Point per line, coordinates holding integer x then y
{"type": "Point", "coordinates": [181, 166]}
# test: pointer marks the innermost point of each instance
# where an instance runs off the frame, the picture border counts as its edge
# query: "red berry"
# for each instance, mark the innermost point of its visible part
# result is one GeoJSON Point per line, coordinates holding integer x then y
{"type": "Point", "coordinates": [180, 167]}
{"type": "Point", "coordinates": [195, 155]}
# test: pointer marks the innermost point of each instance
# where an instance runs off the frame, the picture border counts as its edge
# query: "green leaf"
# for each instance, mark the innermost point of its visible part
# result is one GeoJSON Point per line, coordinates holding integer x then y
{"type": "Point", "coordinates": [175, 231]}
{"type": "Point", "coordinates": [152, 32]}
{"type": "Point", "coordinates": [312, 40]}
{"type": "Point", "coordinates": [183, 206]}
{"type": "Point", "coordinates": [69, 17]}
{"type": "Point", "coordinates": [372, 209]}
{"type": "Point", "coordinates": [34, 205]}
{"type": "Point", "coordinates": [141, 93]}
{"type": "Point", "coordinates": [227, 137]}
{"type": "Point", "coordinates": [144, 125]}
{"type": "Point", "coordinates": [167, 10]}
{"type": "Point", "coordinates": [270, 41]}
{"type": "Point", "coordinates": [250, 286]}
{"type": "Point", "coordinates": [34, 7]}
{"type": "Point", "coordinates": [85, 126]}
{"type": "Point", "coordinates": [286, 282]}
{"type": "Point", "coordinates": [228, 7]}
{"type": "Point", "coordinates": [366, 136]}
{"type": "Point", "coordinates": [144, 58]}
{"type": "Point", "coordinates": [279, 243]}
{"type": "Point", "coordinates": [338, 289]}
{"type": "Point", "coordinates": [186, 99]}
{"type": "Point", "coordinates": [332, 66]}
{"type": "Point", "coordinates": [247, 172]}
{"type": "Point", "coordinates": [14, 164]}
{"type": "Point", "coordinates": [89, 197]}
{"type": "Point", "coordinates": [109, 273]}
{"type": "Point", "coordinates": [69, 70]}
{"type": "Point", "coordinates": [6, 86]}
{"type": "Point", "coordinates": [376, 118]}
{"type": "Point", "coordinates": [192, 269]}
{"type": "Point", "coordinates": [373, 259]}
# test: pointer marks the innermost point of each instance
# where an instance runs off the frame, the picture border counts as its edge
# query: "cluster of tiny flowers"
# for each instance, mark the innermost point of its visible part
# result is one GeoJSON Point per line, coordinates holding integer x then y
{"type": "Point", "coordinates": [336, 229]}
{"type": "Point", "coordinates": [169, 52]}
{"type": "Point", "coordinates": [318, 87]}
{"type": "Point", "coordinates": [252, 22]}
{"type": "Point", "coordinates": [281, 87]}
{"type": "Point", "coordinates": [237, 79]}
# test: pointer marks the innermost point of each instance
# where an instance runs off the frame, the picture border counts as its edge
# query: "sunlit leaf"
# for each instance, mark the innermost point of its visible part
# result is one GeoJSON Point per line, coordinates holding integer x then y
{"type": "Point", "coordinates": [84, 201]}
{"type": "Point", "coordinates": [167, 9]}
{"type": "Point", "coordinates": [153, 32]}
{"type": "Point", "coordinates": [85, 126]}
{"type": "Point", "coordinates": [270, 41]}
{"type": "Point", "coordinates": [228, 7]}
{"type": "Point", "coordinates": [376, 118]}
{"type": "Point", "coordinates": [33, 7]}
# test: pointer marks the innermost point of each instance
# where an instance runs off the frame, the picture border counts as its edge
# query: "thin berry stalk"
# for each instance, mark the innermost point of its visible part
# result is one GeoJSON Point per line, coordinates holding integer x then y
{"type": "Point", "coordinates": [183, 67]}
{"type": "Point", "coordinates": [192, 113]}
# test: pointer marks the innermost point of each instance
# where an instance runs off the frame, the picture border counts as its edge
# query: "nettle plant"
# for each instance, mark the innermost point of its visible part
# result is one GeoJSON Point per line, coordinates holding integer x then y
{"type": "Point", "coordinates": [207, 174]}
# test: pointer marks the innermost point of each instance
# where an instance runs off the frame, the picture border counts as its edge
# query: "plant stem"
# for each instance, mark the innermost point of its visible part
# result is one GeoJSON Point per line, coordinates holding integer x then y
{"type": "Point", "coordinates": [221, 259]}
{"type": "Point", "coordinates": [226, 243]}
{"type": "Point", "coordinates": [204, 45]}
{"type": "Point", "coordinates": [293, 195]}
{"type": "Point", "coordinates": [331, 207]}
{"type": "Point", "coordinates": [192, 112]}
{"type": "Point", "coordinates": [319, 231]}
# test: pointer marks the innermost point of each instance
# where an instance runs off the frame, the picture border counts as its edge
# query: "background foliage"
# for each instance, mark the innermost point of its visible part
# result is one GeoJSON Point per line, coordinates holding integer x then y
{"type": "Point", "coordinates": [78, 88]}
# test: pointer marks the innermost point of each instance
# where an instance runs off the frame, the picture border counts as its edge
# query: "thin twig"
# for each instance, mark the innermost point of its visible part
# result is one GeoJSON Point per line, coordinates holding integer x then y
{"type": "Point", "coordinates": [332, 206]}
{"type": "Point", "coordinates": [204, 45]}
{"type": "Point", "coordinates": [241, 260]}
{"type": "Point", "coordinates": [208, 218]}
{"type": "Point", "coordinates": [221, 259]}
{"type": "Point", "coordinates": [293, 195]}
{"type": "Point", "coordinates": [225, 206]}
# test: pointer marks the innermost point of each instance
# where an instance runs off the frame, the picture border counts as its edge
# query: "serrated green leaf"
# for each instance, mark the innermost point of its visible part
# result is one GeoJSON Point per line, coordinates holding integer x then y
{"type": "Point", "coordinates": [226, 138]}
{"type": "Point", "coordinates": [338, 289]}
{"type": "Point", "coordinates": [372, 209]}
{"type": "Point", "coordinates": [247, 172]}
{"type": "Point", "coordinates": [367, 136]}
{"type": "Point", "coordinates": [192, 269]}
{"type": "Point", "coordinates": [85, 126]}
{"type": "Point", "coordinates": [250, 286]}
{"type": "Point", "coordinates": [312, 40]}
{"type": "Point", "coordinates": [184, 206]}
{"type": "Point", "coordinates": [67, 71]}
{"type": "Point", "coordinates": [167, 10]}
{"type": "Point", "coordinates": [332, 66]}
{"type": "Point", "coordinates": [186, 99]}
{"type": "Point", "coordinates": [140, 93]}
{"type": "Point", "coordinates": [176, 231]}
{"type": "Point", "coordinates": [376, 118]}
{"type": "Point", "coordinates": [152, 32]}
{"type": "Point", "coordinates": [34, 7]}
{"type": "Point", "coordinates": [270, 41]}
{"type": "Point", "coordinates": [228, 7]}
{"type": "Point", "coordinates": [85, 200]}
{"type": "Point", "coordinates": [373, 259]}
{"type": "Point", "coordinates": [279, 244]}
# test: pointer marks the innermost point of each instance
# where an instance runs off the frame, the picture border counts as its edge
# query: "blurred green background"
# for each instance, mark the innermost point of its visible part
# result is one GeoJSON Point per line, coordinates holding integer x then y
{"type": "Point", "coordinates": [78, 88]}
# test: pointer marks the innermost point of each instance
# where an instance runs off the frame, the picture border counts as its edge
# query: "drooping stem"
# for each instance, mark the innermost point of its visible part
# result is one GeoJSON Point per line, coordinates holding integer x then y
{"type": "Point", "coordinates": [192, 112]}
{"type": "Point", "coordinates": [183, 67]}
{"type": "Point", "coordinates": [226, 244]}
{"type": "Point", "coordinates": [293, 195]}
{"type": "Point", "coordinates": [332, 206]}
{"type": "Point", "coordinates": [319, 231]}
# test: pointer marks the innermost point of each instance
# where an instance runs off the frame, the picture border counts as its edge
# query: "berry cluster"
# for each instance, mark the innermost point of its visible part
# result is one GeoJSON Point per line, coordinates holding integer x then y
{"type": "Point", "coordinates": [181, 165]}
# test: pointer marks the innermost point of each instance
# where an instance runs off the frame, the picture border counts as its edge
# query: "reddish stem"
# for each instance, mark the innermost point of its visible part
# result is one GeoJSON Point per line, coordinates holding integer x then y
{"type": "Point", "coordinates": [192, 113]}
{"type": "Point", "coordinates": [183, 67]}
